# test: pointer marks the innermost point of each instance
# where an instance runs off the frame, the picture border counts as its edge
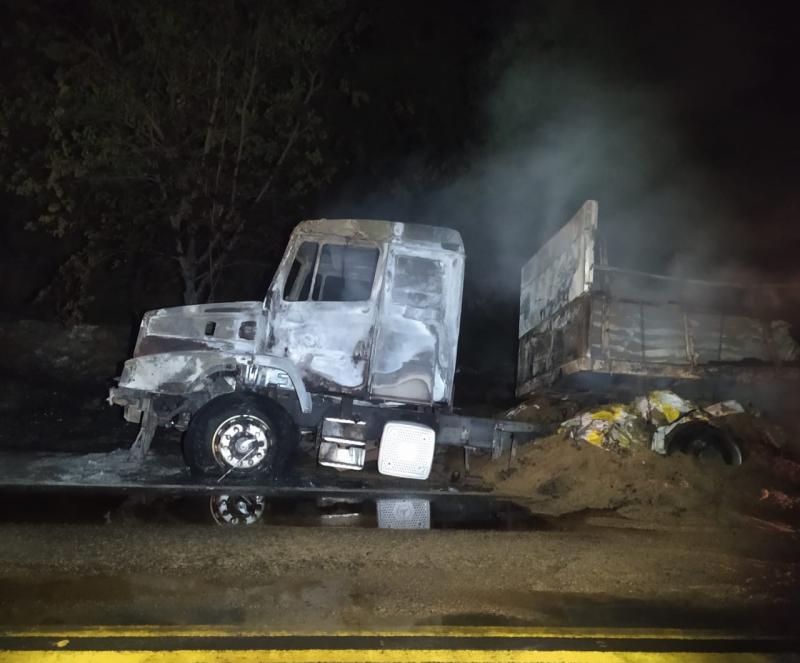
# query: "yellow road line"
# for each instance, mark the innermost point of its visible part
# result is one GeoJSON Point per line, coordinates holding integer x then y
{"type": "Point", "coordinates": [434, 644]}
{"type": "Point", "coordinates": [378, 655]}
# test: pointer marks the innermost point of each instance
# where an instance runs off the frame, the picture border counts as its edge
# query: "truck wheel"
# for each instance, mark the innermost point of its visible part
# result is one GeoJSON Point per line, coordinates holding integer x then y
{"type": "Point", "coordinates": [705, 442]}
{"type": "Point", "coordinates": [239, 435]}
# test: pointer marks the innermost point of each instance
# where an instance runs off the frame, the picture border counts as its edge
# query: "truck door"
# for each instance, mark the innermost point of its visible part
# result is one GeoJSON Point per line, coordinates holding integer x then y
{"type": "Point", "coordinates": [413, 359]}
{"type": "Point", "coordinates": [322, 312]}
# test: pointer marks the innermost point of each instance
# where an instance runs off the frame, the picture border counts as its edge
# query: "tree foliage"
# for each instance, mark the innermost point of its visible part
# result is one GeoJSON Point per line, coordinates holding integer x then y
{"type": "Point", "coordinates": [147, 129]}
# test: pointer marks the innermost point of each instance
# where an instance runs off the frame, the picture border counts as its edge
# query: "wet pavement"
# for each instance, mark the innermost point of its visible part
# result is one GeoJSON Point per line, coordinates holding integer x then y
{"type": "Point", "coordinates": [90, 506]}
{"type": "Point", "coordinates": [88, 539]}
{"type": "Point", "coordinates": [89, 556]}
{"type": "Point", "coordinates": [164, 470]}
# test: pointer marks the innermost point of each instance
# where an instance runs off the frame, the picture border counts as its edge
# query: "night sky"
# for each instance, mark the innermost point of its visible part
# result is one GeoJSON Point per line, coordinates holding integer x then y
{"type": "Point", "coordinates": [680, 119]}
{"type": "Point", "coordinates": [500, 119]}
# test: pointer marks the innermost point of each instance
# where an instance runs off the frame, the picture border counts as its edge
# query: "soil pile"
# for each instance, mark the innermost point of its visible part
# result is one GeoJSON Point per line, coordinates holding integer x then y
{"type": "Point", "coordinates": [557, 475]}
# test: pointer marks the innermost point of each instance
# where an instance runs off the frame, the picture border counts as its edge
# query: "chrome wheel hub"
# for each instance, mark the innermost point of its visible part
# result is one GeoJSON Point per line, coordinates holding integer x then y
{"type": "Point", "coordinates": [241, 442]}
{"type": "Point", "coordinates": [237, 509]}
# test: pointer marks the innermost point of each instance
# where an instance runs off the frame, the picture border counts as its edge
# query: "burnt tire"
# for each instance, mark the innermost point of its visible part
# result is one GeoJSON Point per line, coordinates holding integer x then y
{"type": "Point", "coordinates": [705, 442]}
{"type": "Point", "coordinates": [239, 435]}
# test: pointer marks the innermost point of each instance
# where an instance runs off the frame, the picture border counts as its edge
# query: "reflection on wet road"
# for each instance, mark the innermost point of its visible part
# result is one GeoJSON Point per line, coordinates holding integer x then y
{"type": "Point", "coordinates": [246, 509]}
{"type": "Point", "coordinates": [258, 570]}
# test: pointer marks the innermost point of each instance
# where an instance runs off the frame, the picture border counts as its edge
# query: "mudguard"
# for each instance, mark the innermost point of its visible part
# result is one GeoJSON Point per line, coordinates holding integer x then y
{"type": "Point", "coordinates": [179, 373]}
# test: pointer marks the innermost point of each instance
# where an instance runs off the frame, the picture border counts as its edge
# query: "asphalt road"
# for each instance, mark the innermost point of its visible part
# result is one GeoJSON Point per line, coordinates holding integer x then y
{"type": "Point", "coordinates": [71, 562]}
{"type": "Point", "coordinates": [133, 561]}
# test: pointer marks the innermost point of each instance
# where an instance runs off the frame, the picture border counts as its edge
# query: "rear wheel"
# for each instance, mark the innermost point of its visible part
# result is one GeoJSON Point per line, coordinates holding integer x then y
{"type": "Point", "coordinates": [239, 435]}
{"type": "Point", "coordinates": [705, 442]}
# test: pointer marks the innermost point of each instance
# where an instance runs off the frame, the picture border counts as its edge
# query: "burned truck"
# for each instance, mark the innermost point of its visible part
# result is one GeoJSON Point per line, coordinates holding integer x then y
{"type": "Point", "coordinates": [585, 324]}
{"type": "Point", "coordinates": [354, 345]}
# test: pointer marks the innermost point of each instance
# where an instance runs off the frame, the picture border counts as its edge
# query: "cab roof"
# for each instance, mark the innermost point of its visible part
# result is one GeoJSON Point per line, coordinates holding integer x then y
{"type": "Point", "coordinates": [384, 231]}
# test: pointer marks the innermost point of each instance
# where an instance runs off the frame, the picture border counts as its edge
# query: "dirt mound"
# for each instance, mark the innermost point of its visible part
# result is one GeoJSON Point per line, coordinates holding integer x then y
{"type": "Point", "coordinates": [557, 475]}
{"type": "Point", "coordinates": [543, 409]}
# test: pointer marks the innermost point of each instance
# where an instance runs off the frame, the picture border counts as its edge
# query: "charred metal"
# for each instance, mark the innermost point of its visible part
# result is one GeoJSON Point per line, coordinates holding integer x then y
{"type": "Point", "coordinates": [358, 330]}
{"type": "Point", "coordinates": [580, 316]}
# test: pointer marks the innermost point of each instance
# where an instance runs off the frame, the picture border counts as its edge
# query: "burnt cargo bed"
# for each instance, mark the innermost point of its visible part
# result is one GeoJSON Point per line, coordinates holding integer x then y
{"type": "Point", "coordinates": [585, 324]}
{"type": "Point", "coordinates": [163, 471]}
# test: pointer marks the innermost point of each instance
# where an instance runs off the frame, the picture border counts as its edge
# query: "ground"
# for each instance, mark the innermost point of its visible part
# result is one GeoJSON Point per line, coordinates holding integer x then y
{"type": "Point", "coordinates": [633, 540]}
{"type": "Point", "coordinates": [590, 572]}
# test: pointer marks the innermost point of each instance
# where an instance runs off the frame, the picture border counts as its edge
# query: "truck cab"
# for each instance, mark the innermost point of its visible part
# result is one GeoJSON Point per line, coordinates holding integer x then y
{"type": "Point", "coordinates": [354, 346]}
{"type": "Point", "coordinates": [368, 309]}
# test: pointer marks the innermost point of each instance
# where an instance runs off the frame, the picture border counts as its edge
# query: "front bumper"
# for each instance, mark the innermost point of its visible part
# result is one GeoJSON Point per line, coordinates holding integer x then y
{"type": "Point", "coordinates": [133, 402]}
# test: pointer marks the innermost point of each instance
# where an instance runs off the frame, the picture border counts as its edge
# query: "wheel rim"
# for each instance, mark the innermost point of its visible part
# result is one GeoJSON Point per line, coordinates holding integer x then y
{"type": "Point", "coordinates": [242, 442]}
{"type": "Point", "coordinates": [237, 509]}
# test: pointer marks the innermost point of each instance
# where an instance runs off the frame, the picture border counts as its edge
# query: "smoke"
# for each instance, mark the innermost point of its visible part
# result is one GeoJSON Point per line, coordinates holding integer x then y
{"type": "Point", "coordinates": [556, 130]}
{"type": "Point", "coordinates": [553, 138]}
{"type": "Point", "coordinates": [558, 138]}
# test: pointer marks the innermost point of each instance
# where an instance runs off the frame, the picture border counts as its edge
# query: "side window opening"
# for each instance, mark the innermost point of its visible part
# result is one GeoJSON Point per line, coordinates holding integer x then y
{"type": "Point", "coordinates": [345, 273]}
{"type": "Point", "coordinates": [298, 283]}
{"type": "Point", "coordinates": [418, 282]}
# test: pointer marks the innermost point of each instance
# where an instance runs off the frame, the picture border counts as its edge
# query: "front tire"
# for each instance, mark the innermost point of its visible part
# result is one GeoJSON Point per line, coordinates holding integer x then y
{"type": "Point", "coordinates": [239, 435]}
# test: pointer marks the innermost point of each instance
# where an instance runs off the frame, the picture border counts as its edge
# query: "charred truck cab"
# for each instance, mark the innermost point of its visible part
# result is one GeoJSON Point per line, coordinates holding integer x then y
{"type": "Point", "coordinates": [355, 343]}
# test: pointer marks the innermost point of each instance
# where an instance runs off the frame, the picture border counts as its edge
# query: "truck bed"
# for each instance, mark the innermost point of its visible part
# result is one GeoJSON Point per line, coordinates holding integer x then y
{"type": "Point", "coordinates": [579, 317]}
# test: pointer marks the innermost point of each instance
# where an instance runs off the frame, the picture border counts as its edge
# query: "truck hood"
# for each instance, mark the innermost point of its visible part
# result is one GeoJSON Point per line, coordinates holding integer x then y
{"type": "Point", "coordinates": [232, 326]}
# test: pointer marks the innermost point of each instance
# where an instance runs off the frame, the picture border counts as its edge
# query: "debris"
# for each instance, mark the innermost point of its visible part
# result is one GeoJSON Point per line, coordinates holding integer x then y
{"type": "Point", "coordinates": [515, 412]}
{"type": "Point", "coordinates": [662, 407]}
{"type": "Point", "coordinates": [543, 409]}
{"type": "Point", "coordinates": [663, 421]}
{"type": "Point", "coordinates": [725, 408]}
{"type": "Point", "coordinates": [659, 441]}
{"type": "Point", "coordinates": [610, 427]}
{"type": "Point", "coordinates": [779, 499]}
{"type": "Point", "coordinates": [682, 426]}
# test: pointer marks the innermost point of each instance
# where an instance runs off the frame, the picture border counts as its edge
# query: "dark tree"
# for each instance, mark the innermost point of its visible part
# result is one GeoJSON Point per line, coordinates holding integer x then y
{"type": "Point", "coordinates": [145, 130]}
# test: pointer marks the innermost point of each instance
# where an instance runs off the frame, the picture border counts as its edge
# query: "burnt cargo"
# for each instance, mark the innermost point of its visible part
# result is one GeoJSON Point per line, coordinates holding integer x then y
{"type": "Point", "coordinates": [582, 318]}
